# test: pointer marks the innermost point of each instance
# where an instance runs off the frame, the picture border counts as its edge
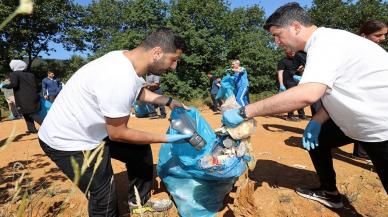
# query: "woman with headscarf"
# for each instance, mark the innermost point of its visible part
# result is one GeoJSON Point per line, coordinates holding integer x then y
{"type": "Point", "coordinates": [26, 94]}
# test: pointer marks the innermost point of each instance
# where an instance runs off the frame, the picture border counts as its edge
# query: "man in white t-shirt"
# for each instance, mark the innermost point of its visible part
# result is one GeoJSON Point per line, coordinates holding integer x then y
{"type": "Point", "coordinates": [95, 105]}
{"type": "Point", "coordinates": [350, 74]}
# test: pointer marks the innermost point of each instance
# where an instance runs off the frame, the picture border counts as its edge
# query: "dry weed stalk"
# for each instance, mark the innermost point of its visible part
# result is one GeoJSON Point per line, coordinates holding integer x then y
{"type": "Point", "coordinates": [138, 201]}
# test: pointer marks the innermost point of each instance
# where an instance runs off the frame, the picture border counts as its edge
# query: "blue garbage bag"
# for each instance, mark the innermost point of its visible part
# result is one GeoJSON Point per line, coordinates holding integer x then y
{"type": "Point", "coordinates": [196, 191]}
{"type": "Point", "coordinates": [142, 109]}
{"type": "Point", "coordinates": [228, 87]}
{"type": "Point", "coordinates": [45, 106]}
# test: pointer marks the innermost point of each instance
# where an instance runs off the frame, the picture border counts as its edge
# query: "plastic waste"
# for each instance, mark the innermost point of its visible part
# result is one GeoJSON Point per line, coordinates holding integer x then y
{"type": "Point", "coordinates": [186, 125]}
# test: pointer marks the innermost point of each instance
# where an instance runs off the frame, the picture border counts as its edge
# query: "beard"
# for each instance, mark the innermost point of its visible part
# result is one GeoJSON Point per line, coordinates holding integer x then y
{"type": "Point", "coordinates": [157, 68]}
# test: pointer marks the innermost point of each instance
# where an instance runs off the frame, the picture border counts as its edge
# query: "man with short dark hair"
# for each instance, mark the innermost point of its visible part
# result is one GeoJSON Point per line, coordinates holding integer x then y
{"type": "Point", "coordinates": [349, 74]}
{"type": "Point", "coordinates": [286, 71]}
{"type": "Point", "coordinates": [96, 106]}
{"type": "Point", "coordinates": [51, 87]}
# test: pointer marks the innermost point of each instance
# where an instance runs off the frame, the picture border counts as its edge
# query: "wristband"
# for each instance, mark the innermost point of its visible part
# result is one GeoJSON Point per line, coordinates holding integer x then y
{"type": "Point", "coordinates": [169, 101]}
{"type": "Point", "coordinates": [242, 113]}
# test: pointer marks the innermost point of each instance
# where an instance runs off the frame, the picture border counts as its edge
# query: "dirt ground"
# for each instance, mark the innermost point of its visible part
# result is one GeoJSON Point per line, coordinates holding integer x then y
{"type": "Point", "coordinates": [281, 166]}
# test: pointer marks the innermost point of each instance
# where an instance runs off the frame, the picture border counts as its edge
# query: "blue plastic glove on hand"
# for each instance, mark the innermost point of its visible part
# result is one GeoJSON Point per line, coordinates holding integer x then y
{"type": "Point", "coordinates": [310, 135]}
{"type": "Point", "coordinates": [232, 118]}
{"type": "Point", "coordinates": [282, 88]}
{"type": "Point", "coordinates": [1, 85]}
{"type": "Point", "coordinates": [297, 78]}
{"type": "Point", "coordinates": [171, 138]}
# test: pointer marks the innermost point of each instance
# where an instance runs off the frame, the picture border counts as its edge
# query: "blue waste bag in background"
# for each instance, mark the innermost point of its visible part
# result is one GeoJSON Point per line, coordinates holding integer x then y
{"type": "Point", "coordinates": [228, 87]}
{"type": "Point", "coordinates": [142, 109]}
{"type": "Point", "coordinates": [45, 106]}
{"type": "Point", "coordinates": [196, 191]}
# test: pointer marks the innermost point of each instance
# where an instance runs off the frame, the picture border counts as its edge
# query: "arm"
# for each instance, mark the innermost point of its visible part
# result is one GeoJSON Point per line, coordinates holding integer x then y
{"type": "Point", "coordinates": [290, 100]}
{"type": "Point", "coordinates": [14, 82]}
{"type": "Point", "coordinates": [44, 89]}
{"type": "Point", "coordinates": [153, 86]}
{"type": "Point", "coordinates": [151, 97]}
{"type": "Point", "coordinates": [118, 131]}
{"type": "Point", "coordinates": [321, 116]}
{"type": "Point", "coordinates": [280, 77]}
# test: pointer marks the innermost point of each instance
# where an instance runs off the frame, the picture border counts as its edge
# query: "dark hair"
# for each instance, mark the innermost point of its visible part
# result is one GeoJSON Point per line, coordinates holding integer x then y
{"type": "Point", "coordinates": [372, 26]}
{"type": "Point", "coordinates": [287, 14]}
{"type": "Point", "coordinates": [164, 38]}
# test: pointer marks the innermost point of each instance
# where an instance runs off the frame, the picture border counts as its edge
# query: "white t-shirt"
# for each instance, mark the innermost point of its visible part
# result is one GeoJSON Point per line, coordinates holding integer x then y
{"type": "Point", "coordinates": [355, 71]}
{"type": "Point", "coordinates": [105, 87]}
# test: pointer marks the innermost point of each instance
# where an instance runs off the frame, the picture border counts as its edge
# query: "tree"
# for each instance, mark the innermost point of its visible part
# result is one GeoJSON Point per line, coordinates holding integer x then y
{"type": "Point", "coordinates": [111, 25]}
{"type": "Point", "coordinates": [29, 35]}
{"type": "Point", "coordinates": [348, 15]}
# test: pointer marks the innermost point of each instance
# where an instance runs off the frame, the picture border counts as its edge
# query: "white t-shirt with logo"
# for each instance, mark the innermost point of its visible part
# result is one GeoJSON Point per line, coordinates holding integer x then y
{"type": "Point", "coordinates": [105, 87]}
{"type": "Point", "coordinates": [355, 71]}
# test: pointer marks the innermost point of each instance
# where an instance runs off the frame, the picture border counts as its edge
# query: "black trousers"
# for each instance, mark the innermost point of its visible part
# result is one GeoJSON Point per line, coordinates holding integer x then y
{"type": "Point", "coordinates": [331, 137]}
{"type": "Point", "coordinates": [215, 103]}
{"type": "Point", "coordinates": [102, 193]}
{"type": "Point", "coordinates": [30, 118]}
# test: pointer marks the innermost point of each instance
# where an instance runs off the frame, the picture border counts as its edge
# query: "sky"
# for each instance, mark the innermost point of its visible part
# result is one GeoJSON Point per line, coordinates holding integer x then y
{"type": "Point", "coordinates": [269, 6]}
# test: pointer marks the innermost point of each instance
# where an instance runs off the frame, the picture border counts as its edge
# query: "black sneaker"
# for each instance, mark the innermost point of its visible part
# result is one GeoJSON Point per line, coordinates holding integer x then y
{"type": "Point", "coordinates": [303, 117]}
{"type": "Point", "coordinates": [317, 194]}
{"type": "Point", "coordinates": [292, 119]}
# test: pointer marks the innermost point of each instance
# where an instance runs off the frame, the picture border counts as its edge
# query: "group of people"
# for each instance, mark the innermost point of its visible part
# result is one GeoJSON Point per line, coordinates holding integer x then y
{"type": "Point", "coordinates": [240, 84]}
{"type": "Point", "coordinates": [22, 93]}
{"type": "Point", "coordinates": [344, 71]}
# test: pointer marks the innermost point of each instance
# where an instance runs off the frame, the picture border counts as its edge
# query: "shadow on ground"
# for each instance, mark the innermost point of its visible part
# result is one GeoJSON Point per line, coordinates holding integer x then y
{"type": "Point", "coordinates": [290, 177]}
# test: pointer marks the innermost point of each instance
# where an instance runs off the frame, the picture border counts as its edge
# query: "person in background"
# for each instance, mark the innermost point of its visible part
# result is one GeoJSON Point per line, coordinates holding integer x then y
{"type": "Point", "coordinates": [95, 106]}
{"type": "Point", "coordinates": [376, 31]}
{"type": "Point", "coordinates": [286, 72]}
{"type": "Point", "coordinates": [10, 98]}
{"type": "Point", "coordinates": [242, 83]}
{"type": "Point", "coordinates": [153, 84]}
{"type": "Point", "coordinates": [216, 84]}
{"type": "Point", "coordinates": [349, 74]}
{"type": "Point", "coordinates": [299, 63]}
{"type": "Point", "coordinates": [26, 94]}
{"type": "Point", "coordinates": [51, 87]}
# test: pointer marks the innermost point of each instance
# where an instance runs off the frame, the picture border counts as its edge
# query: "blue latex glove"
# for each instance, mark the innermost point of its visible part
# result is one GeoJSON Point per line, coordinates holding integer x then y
{"type": "Point", "coordinates": [171, 138]}
{"type": "Point", "coordinates": [282, 88]}
{"type": "Point", "coordinates": [1, 85]}
{"type": "Point", "coordinates": [232, 118]}
{"type": "Point", "coordinates": [310, 135]}
{"type": "Point", "coordinates": [296, 78]}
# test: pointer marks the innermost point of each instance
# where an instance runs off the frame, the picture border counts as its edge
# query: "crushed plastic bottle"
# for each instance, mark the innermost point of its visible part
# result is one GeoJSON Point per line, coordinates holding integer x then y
{"type": "Point", "coordinates": [185, 125]}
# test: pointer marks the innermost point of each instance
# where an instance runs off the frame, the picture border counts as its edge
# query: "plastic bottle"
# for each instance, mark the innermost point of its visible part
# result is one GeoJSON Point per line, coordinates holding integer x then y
{"type": "Point", "coordinates": [186, 125]}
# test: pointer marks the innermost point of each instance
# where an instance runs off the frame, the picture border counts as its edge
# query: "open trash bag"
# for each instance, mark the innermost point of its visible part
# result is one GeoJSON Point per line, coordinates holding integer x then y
{"type": "Point", "coordinates": [45, 106]}
{"type": "Point", "coordinates": [198, 180]}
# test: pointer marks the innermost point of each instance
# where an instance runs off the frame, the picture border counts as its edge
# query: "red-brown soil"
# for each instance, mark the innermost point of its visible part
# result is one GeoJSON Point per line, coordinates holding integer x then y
{"type": "Point", "coordinates": [268, 191]}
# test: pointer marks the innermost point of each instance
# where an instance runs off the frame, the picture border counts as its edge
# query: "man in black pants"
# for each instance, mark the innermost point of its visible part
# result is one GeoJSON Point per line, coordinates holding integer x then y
{"type": "Point", "coordinates": [286, 71]}
{"type": "Point", "coordinates": [96, 105]}
{"type": "Point", "coordinates": [349, 74]}
{"type": "Point", "coordinates": [26, 94]}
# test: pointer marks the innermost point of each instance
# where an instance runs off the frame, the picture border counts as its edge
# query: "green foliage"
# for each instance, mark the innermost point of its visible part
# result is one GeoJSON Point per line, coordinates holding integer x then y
{"type": "Point", "coordinates": [348, 15]}
{"type": "Point", "coordinates": [214, 34]}
{"type": "Point", "coordinates": [28, 35]}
